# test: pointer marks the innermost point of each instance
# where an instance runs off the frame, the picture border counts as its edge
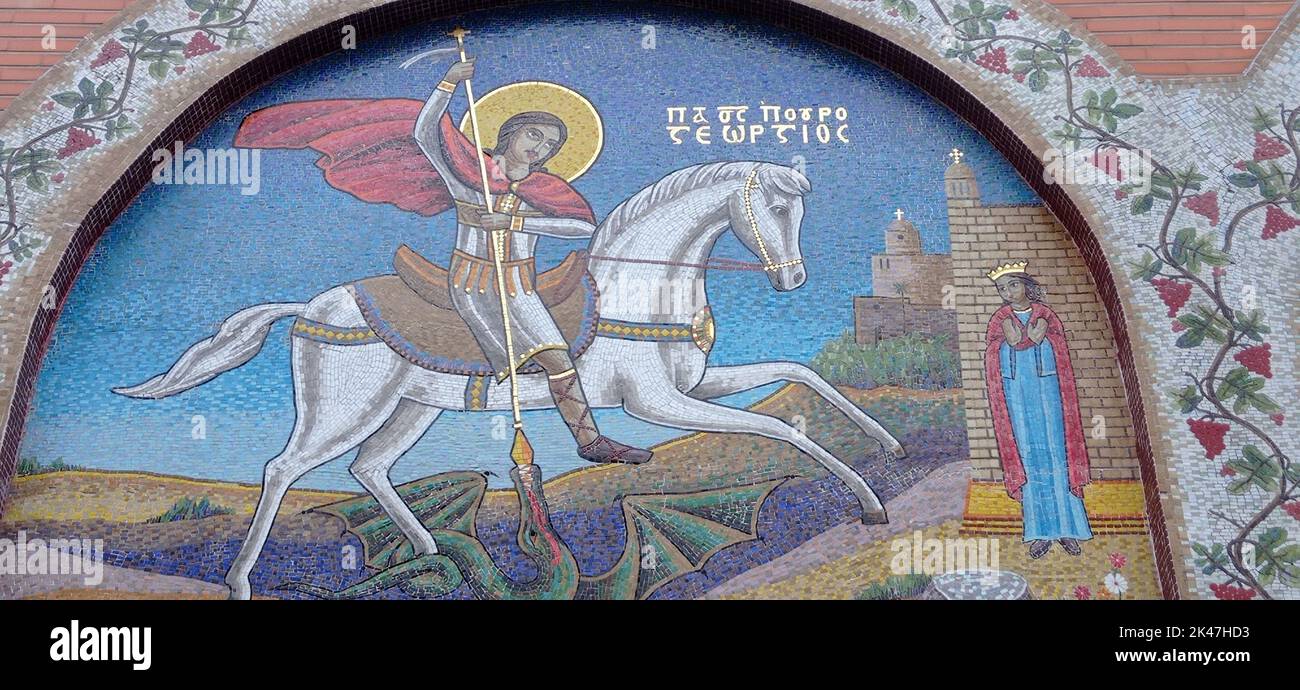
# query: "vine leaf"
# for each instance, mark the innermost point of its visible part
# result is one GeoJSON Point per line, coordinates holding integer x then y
{"type": "Point", "coordinates": [1201, 326]}
{"type": "Point", "coordinates": [1191, 251]}
{"type": "Point", "coordinates": [1148, 268]}
{"type": "Point", "coordinates": [1245, 388]}
{"type": "Point", "coordinates": [1263, 120]}
{"type": "Point", "coordinates": [1251, 325]}
{"type": "Point", "coordinates": [1187, 398]}
{"type": "Point", "coordinates": [1276, 558]}
{"type": "Point", "coordinates": [1254, 468]}
{"type": "Point", "coordinates": [1104, 110]}
{"type": "Point", "coordinates": [118, 127]}
{"type": "Point", "coordinates": [1211, 559]}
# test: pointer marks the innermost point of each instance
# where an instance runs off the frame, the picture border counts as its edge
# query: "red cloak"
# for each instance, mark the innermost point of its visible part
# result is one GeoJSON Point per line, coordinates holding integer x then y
{"type": "Point", "coordinates": [370, 152]}
{"type": "Point", "coordinates": [1076, 453]}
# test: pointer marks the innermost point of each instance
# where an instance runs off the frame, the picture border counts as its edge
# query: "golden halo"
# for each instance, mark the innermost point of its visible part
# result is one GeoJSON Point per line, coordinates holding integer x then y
{"type": "Point", "coordinates": [586, 132]}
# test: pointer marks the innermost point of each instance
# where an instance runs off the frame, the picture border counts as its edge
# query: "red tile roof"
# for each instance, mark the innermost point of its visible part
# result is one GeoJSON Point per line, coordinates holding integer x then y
{"type": "Point", "coordinates": [1180, 39]}
{"type": "Point", "coordinates": [22, 25]}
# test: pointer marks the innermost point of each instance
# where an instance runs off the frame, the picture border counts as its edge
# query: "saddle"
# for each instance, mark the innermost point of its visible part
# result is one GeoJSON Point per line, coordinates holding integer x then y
{"type": "Point", "coordinates": [429, 280]}
{"type": "Point", "coordinates": [411, 311]}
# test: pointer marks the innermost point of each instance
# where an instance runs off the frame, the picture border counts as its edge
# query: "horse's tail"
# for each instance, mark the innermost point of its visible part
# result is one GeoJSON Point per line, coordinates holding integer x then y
{"type": "Point", "coordinates": [239, 340]}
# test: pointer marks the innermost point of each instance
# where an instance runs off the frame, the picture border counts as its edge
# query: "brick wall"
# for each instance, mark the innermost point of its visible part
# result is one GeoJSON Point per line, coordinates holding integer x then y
{"type": "Point", "coordinates": [1179, 39]}
{"type": "Point", "coordinates": [986, 236]}
{"type": "Point", "coordinates": [921, 276]}
{"type": "Point", "coordinates": [24, 55]}
{"type": "Point", "coordinates": [878, 318]}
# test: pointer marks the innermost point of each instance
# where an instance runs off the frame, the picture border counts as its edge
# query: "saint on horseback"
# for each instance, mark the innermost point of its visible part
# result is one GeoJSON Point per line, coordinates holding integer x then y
{"type": "Point", "coordinates": [376, 361]}
{"type": "Point", "coordinates": [529, 201]}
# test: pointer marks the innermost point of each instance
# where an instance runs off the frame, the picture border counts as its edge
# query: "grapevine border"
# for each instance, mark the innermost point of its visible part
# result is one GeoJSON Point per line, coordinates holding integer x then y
{"type": "Point", "coordinates": [819, 23]}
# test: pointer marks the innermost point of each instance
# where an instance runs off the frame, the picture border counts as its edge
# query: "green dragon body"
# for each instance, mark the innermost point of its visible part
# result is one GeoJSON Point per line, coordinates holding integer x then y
{"type": "Point", "coordinates": [668, 535]}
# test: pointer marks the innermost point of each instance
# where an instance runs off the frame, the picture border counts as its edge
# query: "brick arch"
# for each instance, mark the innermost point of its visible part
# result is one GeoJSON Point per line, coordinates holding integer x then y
{"type": "Point", "coordinates": [986, 109]}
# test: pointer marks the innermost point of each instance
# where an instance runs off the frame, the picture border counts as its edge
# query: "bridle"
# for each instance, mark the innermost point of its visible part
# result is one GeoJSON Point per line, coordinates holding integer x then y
{"type": "Point", "coordinates": [720, 263]}
{"type": "Point", "coordinates": [751, 183]}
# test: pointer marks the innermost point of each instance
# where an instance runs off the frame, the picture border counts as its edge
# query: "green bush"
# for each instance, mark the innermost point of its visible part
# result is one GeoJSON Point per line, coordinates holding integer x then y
{"type": "Point", "coordinates": [910, 361]}
{"type": "Point", "coordinates": [895, 587]}
{"type": "Point", "coordinates": [190, 509]}
{"type": "Point", "coordinates": [30, 465]}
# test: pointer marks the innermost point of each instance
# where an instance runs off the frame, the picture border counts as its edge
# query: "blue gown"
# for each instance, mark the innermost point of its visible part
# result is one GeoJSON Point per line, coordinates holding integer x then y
{"type": "Point", "coordinates": [1033, 394]}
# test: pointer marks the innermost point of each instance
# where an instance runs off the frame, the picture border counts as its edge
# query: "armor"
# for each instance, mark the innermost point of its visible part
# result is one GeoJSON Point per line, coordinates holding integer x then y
{"type": "Point", "coordinates": [471, 275]}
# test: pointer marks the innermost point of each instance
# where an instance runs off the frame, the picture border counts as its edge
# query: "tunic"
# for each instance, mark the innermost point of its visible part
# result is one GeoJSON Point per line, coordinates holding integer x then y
{"type": "Point", "coordinates": [471, 275]}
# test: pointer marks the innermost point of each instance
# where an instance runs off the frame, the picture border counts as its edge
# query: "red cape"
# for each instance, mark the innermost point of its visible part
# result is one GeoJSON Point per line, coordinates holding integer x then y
{"type": "Point", "coordinates": [1076, 453]}
{"type": "Point", "coordinates": [370, 152]}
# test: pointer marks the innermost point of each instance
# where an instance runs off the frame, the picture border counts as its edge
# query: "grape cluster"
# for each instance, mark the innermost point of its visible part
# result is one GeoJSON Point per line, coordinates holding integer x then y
{"type": "Point", "coordinates": [1206, 204]}
{"type": "Point", "coordinates": [1292, 509]}
{"type": "Point", "coordinates": [1229, 592]}
{"type": "Point", "coordinates": [1089, 67]}
{"type": "Point", "coordinates": [1210, 434]}
{"type": "Point", "coordinates": [994, 60]}
{"type": "Point", "coordinates": [78, 140]}
{"type": "Point", "coordinates": [110, 52]}
{"type": "Point", "coordinates": [1267, 148]}
{"type": "Point", "coordinates": [1257, 358]}
{"type": "Point", "coordinates": [1173, 293]}
{"type": "Point", "coordinates": [1276, 222]}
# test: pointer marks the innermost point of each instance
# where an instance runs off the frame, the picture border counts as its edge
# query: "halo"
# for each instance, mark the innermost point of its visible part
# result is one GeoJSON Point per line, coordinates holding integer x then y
{"type": "Point", "coordinates": [586, 131]}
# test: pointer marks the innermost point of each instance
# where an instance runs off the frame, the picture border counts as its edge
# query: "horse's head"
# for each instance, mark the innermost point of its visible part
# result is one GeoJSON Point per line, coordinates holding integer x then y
{"type": "Point", "coordinates": [766, 213]}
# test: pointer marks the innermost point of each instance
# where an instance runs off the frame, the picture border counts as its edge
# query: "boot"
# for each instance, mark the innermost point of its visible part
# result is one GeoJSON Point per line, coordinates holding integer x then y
{"type": "Point", "coordinates": [569, 399]}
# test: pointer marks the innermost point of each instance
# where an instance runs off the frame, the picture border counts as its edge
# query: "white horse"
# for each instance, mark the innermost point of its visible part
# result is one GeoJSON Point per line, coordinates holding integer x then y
{"type": "Point", "coordinates": [369, 396]}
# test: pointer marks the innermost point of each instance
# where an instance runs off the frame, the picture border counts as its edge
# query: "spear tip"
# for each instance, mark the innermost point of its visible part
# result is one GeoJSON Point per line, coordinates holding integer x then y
{"type": "Point", "coordinates": [521, 452]}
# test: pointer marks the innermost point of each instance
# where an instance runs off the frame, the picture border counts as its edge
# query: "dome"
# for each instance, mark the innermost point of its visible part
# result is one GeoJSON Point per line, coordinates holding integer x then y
{"type": "Point", "coordinates": [902, 237]}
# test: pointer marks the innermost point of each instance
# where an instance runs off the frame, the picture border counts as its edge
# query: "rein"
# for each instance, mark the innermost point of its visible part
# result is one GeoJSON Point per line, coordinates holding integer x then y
{"type": "Point", "coordinates": [718, 263]}
{"type": "Point", "coordinates": [721, 263]}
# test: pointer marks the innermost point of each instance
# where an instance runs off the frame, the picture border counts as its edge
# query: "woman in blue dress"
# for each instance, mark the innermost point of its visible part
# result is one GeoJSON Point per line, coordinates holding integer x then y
{"type": "Point", "coordinates": [1035, 410]}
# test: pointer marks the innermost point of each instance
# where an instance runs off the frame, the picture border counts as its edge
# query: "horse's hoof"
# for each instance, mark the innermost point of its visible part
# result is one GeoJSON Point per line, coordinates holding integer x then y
{"type": "Point", "coordinates": [876, 517]}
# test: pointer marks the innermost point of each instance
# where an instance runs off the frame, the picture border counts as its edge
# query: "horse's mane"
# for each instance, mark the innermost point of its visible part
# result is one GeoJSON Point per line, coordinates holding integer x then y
{"type": "Point", "coordinates": [689, 179]}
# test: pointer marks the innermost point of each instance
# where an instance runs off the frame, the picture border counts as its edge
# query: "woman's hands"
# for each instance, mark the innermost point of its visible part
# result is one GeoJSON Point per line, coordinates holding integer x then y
{"type": "Point", "coordinates": [1038, 330]}
{"type": "Point", "coordinates": [1011, 330]}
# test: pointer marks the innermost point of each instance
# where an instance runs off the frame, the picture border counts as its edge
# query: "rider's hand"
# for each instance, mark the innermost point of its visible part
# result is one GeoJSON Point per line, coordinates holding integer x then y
{"type": "Point", "coordinates": [460, 71]}
{"type": "Point", "coordinates": [495, 221]}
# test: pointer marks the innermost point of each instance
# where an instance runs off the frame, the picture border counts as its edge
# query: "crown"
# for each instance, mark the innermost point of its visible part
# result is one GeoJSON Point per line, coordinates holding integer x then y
{"type": "Point", "coordinates": [1009, 267]}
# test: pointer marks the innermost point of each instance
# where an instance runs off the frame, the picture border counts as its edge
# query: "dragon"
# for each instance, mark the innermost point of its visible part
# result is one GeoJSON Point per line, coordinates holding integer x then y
{"type": "Point", "coordinates": [681, 530]}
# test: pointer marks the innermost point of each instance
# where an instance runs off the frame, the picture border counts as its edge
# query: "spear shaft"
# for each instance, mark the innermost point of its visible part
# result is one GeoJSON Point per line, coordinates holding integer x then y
{"type": "Point", "coordinates": [521, 452]}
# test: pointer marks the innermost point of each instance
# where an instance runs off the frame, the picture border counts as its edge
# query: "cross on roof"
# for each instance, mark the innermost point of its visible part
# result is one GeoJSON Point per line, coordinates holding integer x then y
{"type": "Point", "coordinates": [956, 155]}
{"type": "Point", "coordinates": [898, 214]}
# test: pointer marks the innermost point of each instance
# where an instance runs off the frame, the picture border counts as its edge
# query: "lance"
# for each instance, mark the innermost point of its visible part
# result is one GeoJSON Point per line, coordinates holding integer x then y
{"type": "Point", "coordinates": [521, 452]}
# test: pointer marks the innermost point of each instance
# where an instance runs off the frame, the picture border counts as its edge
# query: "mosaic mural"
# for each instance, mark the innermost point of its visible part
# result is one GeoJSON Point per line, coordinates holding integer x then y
{"type": "Point", "coordinates": [590, 306]}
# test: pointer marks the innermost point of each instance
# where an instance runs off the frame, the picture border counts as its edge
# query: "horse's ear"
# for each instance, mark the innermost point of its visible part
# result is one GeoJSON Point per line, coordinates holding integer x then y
{"type": "Point", "coordinates": [786, 179]}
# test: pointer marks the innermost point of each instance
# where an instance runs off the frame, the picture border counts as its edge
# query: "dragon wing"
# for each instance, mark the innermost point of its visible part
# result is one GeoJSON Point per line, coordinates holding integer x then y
{"type": "Point", "coordinates": [447, 501]}
{"type": "Point", "coordinates": [677, 533]}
